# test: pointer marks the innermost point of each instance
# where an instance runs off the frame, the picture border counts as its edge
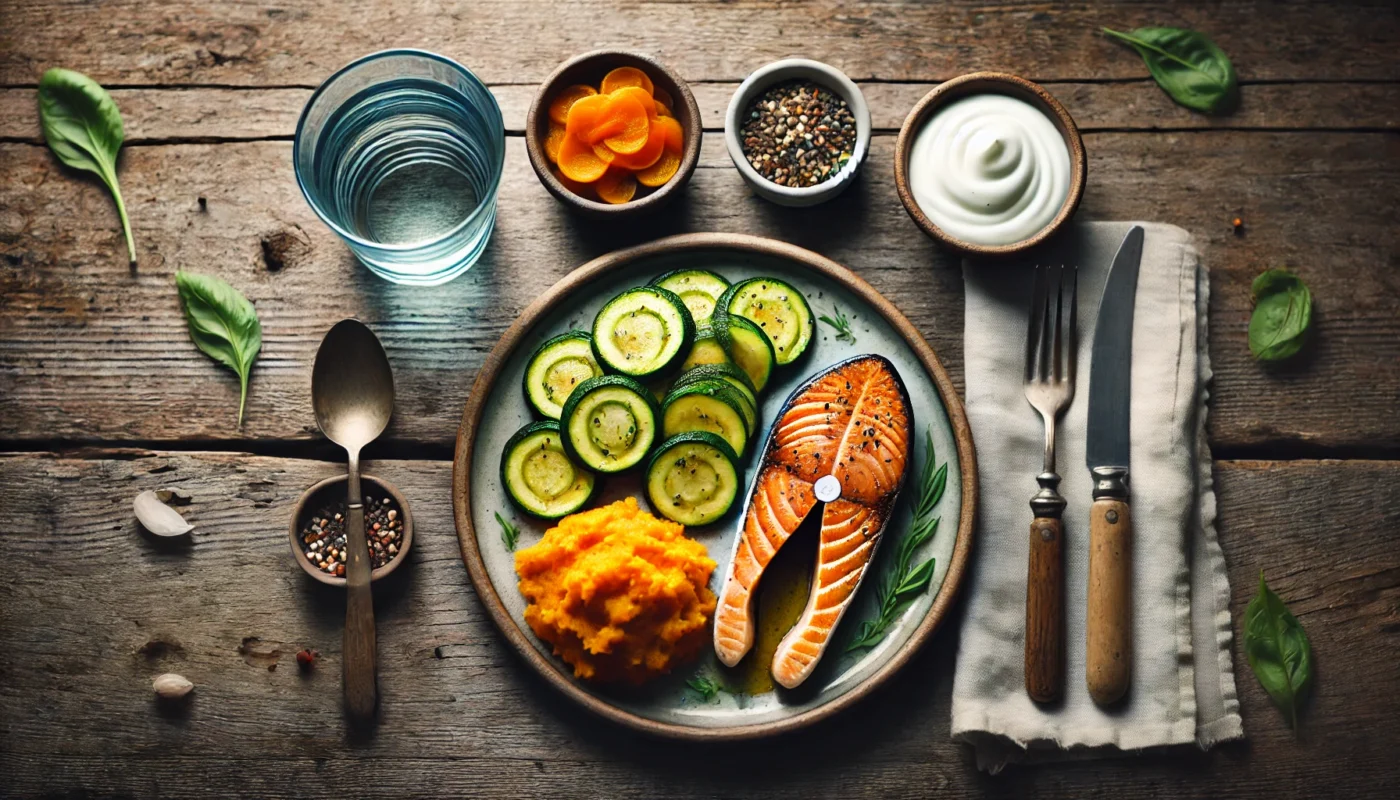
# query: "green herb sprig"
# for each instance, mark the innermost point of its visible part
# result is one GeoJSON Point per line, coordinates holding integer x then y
{"type": "Point", "coordinates": [84, 129]}
{"type": "Point", "coordinates": [223, 325]}
{"type": "Point", "coordinates": [705, 686]}
{"type": "Point", "coordinates": [1187, 65]}
{"type": "Point", "coordinates": [1282, 315]}
{"type": "Point", "coordinates": [509, 533]}
{"type": "Point", "coordinates": [841, 324]}
{"type": "Point", "coordinates": [904, 582]}
{"type": "Point", "coordinates": [1278, 650]}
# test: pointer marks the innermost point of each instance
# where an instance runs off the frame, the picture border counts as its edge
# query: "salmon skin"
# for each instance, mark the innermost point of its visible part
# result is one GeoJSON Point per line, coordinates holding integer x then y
{"type": "Point", "coordinates": [851, 422]}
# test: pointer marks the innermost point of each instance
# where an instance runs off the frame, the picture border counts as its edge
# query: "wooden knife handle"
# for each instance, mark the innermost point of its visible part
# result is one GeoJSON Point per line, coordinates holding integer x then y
{"type": "Point", "coordinates": [359, 669]}
{"type": "Point", "coordinates": [1108, 661]}
{"type": "Point", "coordinates": [1045, 611]}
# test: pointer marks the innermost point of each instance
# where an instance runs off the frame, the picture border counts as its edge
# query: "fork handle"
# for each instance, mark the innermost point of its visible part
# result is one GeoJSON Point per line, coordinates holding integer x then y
{"type": "Point", "coordinates": [1045, 594]}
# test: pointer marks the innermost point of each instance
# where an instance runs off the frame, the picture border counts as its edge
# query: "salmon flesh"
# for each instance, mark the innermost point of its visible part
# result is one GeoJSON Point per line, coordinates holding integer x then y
{"type": "Point", "coordinates": [851, 422]}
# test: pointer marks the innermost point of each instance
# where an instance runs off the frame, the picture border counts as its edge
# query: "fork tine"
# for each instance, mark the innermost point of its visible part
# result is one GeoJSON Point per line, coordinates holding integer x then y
{"type": "Point", "coordinates": [1072, 339]}
{"type": "Point", "coordinates": [1056, 359]}
{"type": "Point", "coordinates": [1038, 290]}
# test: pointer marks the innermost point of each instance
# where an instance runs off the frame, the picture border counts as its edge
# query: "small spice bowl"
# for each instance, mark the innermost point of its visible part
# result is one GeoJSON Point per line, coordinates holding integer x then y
{"type": "Point", "coordinates": [990, 83]}
{"type": "Point", "coordinates": [589, 68]}
{"type": "Point", "coordinates": [332, 490]}
{"type": "Point", "coordinates": [797, 69]}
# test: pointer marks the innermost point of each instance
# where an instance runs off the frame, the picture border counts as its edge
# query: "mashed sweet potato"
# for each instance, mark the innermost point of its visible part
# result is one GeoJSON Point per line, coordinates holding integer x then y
{"type": "Point", "coordinates": [622, 596]}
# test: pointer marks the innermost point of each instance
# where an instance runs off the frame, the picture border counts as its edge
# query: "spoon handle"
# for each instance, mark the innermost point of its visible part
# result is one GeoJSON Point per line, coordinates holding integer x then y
{"type": "Point", "coordinates": [361, 693]}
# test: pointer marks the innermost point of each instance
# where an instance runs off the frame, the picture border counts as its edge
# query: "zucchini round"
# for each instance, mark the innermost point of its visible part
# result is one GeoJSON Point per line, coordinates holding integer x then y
{"type": "Point", "coordinates": [747, 346]}
{"type": "Point", "coordinates": [731, 375]}
{"type": "Point", "coordinates": [556, 367]}
{"type": "Point", "coordinates": [642, 332]}
{"type": "Point", "coordinates": [609, 423]}
{"type": "Point", "coordinates": [778, 309]}
{"type": "Point", "coordinates": [697, 288]}
{"type": "Point", "coordinates": [540, 477]}
{"type": "Point", "coordinates": [712, 406]}
{"type": "Point", "coordinates": [692, 478]}
{"type": "Point", "coordinates": [706, 349]}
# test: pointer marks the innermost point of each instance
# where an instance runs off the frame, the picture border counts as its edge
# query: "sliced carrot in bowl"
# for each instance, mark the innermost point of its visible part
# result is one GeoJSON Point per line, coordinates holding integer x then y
{"type": "Point", "coordinates": [559, 106]}
{"type": "Point", "coordinates": [662, 96]}
{"type": "Point", "coordinates": [640, 95]}
{"type": "Point", "coordinates": [626, 76]}
{"type": "Point", "coordinates": [663, 170]}
{"type": "Point", "coordinates": [675, 134]}
{"type": "Point", "coordinates": [552, 142]}
{"type": "Point", "coordinates": [584, 115]}
{"type": "Point", "coordinates": [617, 186]}
{"type": "Point", "coordinates": [578, 161]}
{"type": "Point", "coordinates": [650, 152]}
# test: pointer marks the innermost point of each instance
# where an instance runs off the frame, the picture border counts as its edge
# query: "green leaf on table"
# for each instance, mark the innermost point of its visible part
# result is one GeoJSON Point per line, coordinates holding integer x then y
{"type": "Point", "coordinates": [223, 325]}
{"type": "Point", "coordinates": [1282, 315]}
{"type": "Point", "coordinates": [84, 129]}
{"type": "Point", "coordinates": [1278, 650]}
{"type": "Point", "coordinates": [1187, 65]}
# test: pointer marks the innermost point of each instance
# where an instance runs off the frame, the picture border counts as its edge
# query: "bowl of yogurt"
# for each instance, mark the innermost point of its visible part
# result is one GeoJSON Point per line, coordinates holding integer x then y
{"type": "Point", "coordinates": [990, 164]}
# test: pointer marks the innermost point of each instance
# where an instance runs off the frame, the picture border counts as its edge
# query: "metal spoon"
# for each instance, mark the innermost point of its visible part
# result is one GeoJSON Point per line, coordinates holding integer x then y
{"type": "Point", "coordinates": [352, 389]}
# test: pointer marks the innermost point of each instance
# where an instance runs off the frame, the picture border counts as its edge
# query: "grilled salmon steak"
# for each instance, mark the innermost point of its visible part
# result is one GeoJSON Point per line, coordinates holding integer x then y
{"type": "Point", "coordinates": [841, 440]}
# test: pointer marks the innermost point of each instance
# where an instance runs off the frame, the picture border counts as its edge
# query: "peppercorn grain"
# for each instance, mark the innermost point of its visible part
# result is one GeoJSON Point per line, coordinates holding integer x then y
{"type": "Point", "coordinates": [798, 134]}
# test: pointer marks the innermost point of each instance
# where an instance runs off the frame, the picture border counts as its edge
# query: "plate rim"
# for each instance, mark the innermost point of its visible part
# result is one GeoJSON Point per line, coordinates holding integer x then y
{"type": "Point", "coordinates": [545, 303]}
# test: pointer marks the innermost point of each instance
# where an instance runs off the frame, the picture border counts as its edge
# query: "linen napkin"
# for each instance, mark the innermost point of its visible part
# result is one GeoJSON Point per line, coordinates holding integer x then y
{"type": "Point", "coordinates": [1183, 683]}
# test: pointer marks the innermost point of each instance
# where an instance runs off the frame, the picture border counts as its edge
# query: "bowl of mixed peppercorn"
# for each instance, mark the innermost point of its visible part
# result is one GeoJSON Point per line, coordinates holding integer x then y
{"type": "Point", "coordinates": [318, 528]}
{"type": "Point", "coordinates": [798, 131]}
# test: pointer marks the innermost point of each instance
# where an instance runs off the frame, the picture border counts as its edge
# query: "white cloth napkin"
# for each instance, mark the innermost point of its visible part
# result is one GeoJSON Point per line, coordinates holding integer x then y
{"type": "Point", "coordinates": [1183, 683]}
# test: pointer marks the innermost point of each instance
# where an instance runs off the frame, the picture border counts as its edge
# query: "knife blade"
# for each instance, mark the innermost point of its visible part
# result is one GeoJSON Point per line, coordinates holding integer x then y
{"type": "Point", "coordinates": [1108, 660]}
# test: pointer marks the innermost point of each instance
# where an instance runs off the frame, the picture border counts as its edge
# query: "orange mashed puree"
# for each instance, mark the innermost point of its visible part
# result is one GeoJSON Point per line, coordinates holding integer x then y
{"type": "Point", "coordinates": [622, 596]}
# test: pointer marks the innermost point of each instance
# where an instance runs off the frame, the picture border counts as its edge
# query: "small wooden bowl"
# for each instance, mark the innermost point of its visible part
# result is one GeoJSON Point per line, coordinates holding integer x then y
{"type": "Point", "coordinates": [329, 491]}
{"type": "Point", "coordinates": [990, 83]}
{"type": "Point", "coordinates": [590, 68]}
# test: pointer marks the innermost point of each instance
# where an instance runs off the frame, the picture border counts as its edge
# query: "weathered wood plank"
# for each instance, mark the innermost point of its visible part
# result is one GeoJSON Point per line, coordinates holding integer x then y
{"type": "Point", "coordinates": [89, 351]}
{"type": "Point", "coordinates": [92, 609]}
{"type": "Point", "coordinates": [508, 41]}
{"type": "Point", "coordinates": [221, 114]}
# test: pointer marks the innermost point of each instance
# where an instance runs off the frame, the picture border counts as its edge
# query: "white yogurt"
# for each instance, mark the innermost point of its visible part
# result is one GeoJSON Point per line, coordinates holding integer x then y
{"type": "Point", "coordinates": [989, 169]}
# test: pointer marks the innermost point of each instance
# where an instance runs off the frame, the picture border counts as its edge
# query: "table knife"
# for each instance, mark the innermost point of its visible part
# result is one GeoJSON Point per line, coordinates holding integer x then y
{"type": "Point", "coordinates": [1108, 659]}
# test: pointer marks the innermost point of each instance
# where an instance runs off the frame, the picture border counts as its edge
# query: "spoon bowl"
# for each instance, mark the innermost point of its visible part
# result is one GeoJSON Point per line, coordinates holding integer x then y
{"type": "Point", "coordinates": [352, 390]}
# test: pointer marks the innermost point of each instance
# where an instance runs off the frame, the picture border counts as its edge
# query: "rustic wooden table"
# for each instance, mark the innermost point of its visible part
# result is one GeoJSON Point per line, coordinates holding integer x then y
{"type": "Point", "coordinates": [102, 395]}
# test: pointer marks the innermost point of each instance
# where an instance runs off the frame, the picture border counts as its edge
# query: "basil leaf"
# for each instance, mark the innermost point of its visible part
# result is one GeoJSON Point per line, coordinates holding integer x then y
{"type": "Point", "coordinates": [84, 129]}
{"type": "Point", "coordinates": [1278, 650]}
{"type": "Point", "coordinates": [223, 324]}
{"type": "Point", "coordinates": [1282, 315]}
{"type": "Point", "coordinates": [1187, 65]}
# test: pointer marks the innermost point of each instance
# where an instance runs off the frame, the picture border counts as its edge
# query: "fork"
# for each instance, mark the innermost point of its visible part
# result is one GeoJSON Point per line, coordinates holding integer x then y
{"type": "Point", "coordinates": [1049, 385]}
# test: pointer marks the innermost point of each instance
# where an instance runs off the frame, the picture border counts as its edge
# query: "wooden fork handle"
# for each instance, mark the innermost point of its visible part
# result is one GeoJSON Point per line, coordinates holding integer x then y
{"type": "Point", "coordinates": [1045, 594]}
{"type": "Point", "coordinates": [1108, 659]}
{"type": "Point", "coordinates": [1045, 611]}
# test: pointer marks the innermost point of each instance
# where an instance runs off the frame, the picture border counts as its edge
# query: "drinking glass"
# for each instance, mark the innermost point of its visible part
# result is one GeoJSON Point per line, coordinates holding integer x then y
{"type": "Point", "coordinates": [400, 153]}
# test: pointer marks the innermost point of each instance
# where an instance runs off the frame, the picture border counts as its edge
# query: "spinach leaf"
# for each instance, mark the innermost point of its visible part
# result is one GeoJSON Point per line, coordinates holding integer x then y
{"type": "Point", "coordinates": [1187, 65]}
{"type": "Point", "coordinates": [223, 324]}
{"type": "Point", "coordinates": [1282, 315]}
{"type": "Point", "coordinates": [1278, 650]}
{"type": "Point", "coordinates": [84, 129]}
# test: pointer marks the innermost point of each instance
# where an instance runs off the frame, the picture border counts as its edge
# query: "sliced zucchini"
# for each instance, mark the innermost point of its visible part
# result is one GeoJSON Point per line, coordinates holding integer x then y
{"type": "Point", "coordinates": [712, 406]}
{"type": "Point", "coordinates": [747, 346]}
{"type": "Point", "coordinates": [642, 332]}
{"type": "Point", "coordinates": [692, 478]}
{"type": "Point", "coordinates": [697, 288]}
{"type": "Point", "coordinates": [609, 423]}
{"type": "Point", "coordinates": [539, 476]}
{"type": "Point", "coordinates": [557, 366]}
{"type": "Point", "coordinates": [778, 309]}
{"type": "Point", "coordinates": [705, 350]}
{"type": "Point", "coordinates": [734, 377]}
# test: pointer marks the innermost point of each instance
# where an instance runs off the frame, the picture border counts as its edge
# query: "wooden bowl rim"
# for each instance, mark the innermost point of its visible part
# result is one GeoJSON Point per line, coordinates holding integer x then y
{"type": "Point", "coordinates": [991, 83]}
{"type": "Point", "coordinates": [692, 127]}
{"type": "Point", "coordinates": [376, 574]}
{"type": "Point", "coordinates": [693, 242]}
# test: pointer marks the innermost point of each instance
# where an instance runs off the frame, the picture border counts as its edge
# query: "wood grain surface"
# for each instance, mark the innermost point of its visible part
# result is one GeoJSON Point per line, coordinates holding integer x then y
{"type": "Point", "coordinates": [101, 393]}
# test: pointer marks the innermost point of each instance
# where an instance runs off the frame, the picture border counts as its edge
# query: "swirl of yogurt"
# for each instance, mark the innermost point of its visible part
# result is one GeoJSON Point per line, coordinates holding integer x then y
{"type": "Point", "coordinates": [989, 169]}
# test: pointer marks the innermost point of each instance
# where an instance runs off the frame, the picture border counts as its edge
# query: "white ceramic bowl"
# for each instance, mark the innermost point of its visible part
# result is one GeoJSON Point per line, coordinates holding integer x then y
{"type": "Point", "coordinates": [793, 69]}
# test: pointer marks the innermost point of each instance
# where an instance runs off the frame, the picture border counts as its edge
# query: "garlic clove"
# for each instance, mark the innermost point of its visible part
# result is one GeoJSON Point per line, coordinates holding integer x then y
{"type": "Point", "coordinates": [157, 517]}
{"type": "Point", "coordinates": [171, 686]}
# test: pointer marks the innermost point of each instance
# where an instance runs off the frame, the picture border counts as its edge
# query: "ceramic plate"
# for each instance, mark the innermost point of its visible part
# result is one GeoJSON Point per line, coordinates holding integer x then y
{"type": "Point", "coordinates": [497, 408]}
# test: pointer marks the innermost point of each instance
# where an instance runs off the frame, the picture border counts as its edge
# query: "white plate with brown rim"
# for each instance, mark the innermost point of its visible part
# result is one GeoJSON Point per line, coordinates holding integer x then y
{"type": "Point", "coordinates": [747, 708]}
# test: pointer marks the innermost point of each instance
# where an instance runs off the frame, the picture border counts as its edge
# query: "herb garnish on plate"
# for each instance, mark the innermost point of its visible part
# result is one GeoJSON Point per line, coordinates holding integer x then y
{"type": "Point", "coordinates": [841, 324]}
{"type": "Point", "coordinates": [509, 533]}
